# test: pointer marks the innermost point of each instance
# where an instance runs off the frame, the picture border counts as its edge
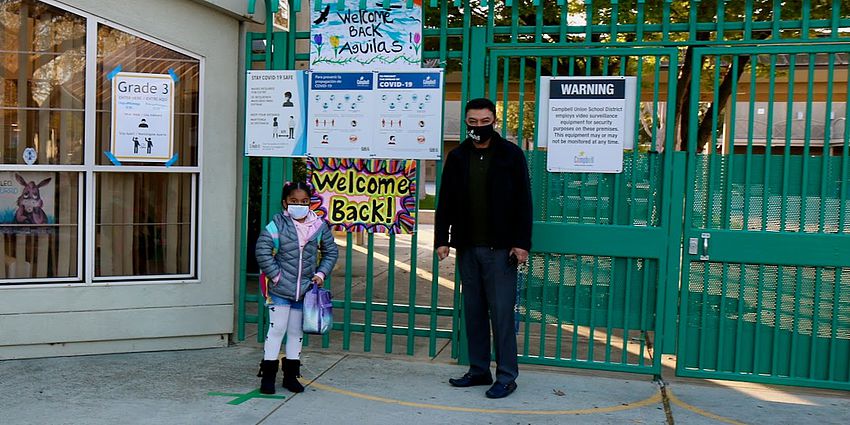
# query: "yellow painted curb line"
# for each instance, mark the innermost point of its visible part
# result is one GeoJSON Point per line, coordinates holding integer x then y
{"type": "Point", "coordinates": [699, 411]}
{"type": "Point", "coordinates": [643, 403]}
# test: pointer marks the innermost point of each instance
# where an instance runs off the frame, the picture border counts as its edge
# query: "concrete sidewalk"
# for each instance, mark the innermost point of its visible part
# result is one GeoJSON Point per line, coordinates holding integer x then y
{"type": "Point", "coordinates": [219, 386]}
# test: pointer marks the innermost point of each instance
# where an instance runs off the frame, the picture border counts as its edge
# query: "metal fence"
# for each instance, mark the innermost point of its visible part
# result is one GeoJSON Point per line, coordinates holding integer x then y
{"type": "Point", "coordinates": [724, 241]}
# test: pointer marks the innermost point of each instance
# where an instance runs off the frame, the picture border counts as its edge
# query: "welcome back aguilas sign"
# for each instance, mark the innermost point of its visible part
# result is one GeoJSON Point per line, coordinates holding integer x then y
{"type": "Point", "coordinates": [374, 37]}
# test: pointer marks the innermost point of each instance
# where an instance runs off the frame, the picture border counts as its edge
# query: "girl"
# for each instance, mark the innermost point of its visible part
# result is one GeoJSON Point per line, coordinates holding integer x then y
{"type": "Point", "coordinates": [300, 236]}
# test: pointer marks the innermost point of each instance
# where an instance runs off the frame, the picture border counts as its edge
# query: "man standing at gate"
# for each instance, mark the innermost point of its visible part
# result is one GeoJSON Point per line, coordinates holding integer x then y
{"type": "Point", "coordinates": [484, 212]}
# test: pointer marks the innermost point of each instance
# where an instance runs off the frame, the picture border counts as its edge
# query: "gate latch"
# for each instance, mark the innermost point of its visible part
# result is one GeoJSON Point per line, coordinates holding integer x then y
{"type": "Point", "coordinates": [693, 246]}
{"type": "Point", "coordinates": [705, 238]}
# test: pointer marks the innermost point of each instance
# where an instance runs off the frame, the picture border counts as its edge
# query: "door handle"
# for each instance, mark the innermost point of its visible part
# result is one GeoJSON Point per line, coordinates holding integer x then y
{"type": "Point", "coordinates": [705, 238]}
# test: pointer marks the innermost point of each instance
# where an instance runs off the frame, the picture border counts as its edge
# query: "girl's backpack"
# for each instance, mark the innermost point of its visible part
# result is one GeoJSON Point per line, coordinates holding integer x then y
{"type": "Point", "coordinates": [265, 282]}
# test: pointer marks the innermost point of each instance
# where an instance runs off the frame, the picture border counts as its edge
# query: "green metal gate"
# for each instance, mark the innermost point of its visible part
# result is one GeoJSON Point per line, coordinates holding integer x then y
{"type": "Point", "coordinates": [388, 289]}
{"type": "Point", "coordinates": [594, 285]}
{"type": "Point", "coordinates": [765, 293]}
{"type": "Point", "coordinates": [724, 241]}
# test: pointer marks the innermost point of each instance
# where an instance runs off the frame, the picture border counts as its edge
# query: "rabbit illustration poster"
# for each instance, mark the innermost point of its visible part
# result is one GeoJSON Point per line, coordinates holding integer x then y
{"type": "Point", "coordinates": [275, 113]}
{"type": "Point", "coordinates": [27, 198]}
{"type": "Point", "coordinates": [373, 38]}
{"type": "Point", "coordinates": [142, 117]}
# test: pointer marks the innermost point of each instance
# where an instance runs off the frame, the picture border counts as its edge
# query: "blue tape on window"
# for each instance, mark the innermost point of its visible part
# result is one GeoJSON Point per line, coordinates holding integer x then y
{"type": "Point", "coordinates": [173, 75]}
{"type": "Point", "coordinates": [112, 158]}
{"type": "Point", "coordinates": [112, 73]}
{"type": "Point", "coordinates": [171, 161]}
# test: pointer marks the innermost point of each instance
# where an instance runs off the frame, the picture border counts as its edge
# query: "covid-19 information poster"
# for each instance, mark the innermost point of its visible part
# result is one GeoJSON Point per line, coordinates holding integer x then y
{"type": "Point", "coordinates": [342, 110]}
{"type": "Point", "coordinates": [359, 115]}
{"type": "Point", "coordinates": [409, 115]}
{"type": "Point", "coordinates": [275, 113]}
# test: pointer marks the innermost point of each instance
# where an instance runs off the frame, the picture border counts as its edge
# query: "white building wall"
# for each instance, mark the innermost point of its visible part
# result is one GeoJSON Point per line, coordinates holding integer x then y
{"type": "Point", "coordinates": [57, 320]}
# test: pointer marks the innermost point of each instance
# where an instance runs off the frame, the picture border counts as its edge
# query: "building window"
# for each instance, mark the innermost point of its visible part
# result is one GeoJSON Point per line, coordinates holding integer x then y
{"type": "Point", "coordinates": [143, 224]}
{"type": "Point", "coordinates": [68, 213]}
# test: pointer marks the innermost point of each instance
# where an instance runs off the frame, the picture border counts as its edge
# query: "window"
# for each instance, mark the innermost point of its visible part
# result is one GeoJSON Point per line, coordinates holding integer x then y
{"type": "Point", "coordinates": [67, 211]}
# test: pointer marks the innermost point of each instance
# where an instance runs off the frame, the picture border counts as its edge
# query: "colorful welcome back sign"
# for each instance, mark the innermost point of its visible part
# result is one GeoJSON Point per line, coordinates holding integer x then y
{"type": "Point", "coordinates": [356, 195]}
{"type": "Point", "coordinates": [374, 37]}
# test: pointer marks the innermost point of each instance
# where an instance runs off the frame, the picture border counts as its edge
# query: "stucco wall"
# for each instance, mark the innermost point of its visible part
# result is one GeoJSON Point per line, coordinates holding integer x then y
{"type": "Point", "coordinates": [52, 320]}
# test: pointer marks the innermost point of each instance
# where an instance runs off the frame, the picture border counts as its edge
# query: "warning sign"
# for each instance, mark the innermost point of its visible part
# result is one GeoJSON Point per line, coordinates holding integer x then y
{"type": "Point", "coordinates": [588, 123]}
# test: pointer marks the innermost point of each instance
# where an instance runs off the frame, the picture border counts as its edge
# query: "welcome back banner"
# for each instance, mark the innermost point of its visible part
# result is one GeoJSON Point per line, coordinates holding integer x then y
{"type": "Point", "coordinates": [374, 38]}
{"type": "Point", "coordinates": [356, 195]}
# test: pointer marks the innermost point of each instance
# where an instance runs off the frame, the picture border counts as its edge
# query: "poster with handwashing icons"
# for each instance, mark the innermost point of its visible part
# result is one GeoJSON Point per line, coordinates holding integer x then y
{"type": "Point", "coordinates": [409, 112]}
{"type": "Point", "coordinates": [342, 113]}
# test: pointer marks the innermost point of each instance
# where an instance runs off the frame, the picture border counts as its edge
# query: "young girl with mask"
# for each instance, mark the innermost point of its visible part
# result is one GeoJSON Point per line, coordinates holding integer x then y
{"type": "Point", "coordinates": [292, 265]}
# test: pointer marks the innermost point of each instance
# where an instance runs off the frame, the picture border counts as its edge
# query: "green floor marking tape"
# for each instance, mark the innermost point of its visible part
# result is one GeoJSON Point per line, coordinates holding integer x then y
{"type": "Point", "coordinates": [241, 398]}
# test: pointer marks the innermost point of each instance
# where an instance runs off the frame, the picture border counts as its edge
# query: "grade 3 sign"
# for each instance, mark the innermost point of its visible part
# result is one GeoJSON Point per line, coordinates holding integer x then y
{"type": "Point", "coordinates": [142, 117]}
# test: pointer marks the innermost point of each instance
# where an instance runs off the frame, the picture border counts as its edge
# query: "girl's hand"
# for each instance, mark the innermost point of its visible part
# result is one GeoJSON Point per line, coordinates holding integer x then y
{"type": "Point", "coordinates": [318, 281]}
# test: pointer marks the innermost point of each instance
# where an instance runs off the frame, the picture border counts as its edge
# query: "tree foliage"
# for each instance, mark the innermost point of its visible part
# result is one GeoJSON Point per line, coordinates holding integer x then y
{"type": "Point", "coordinates": [575, 13]}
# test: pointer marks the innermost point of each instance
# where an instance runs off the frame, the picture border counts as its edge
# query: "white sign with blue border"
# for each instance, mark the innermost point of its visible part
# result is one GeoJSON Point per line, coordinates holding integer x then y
{"type": "Point", "coordinates": [275, 113]}
{"type": "Point", "coordinates": [410, 115]}
{"type": "Point", "coordinates": [342, 115]}
{"type": "Point", "coordinates": [142, 117]}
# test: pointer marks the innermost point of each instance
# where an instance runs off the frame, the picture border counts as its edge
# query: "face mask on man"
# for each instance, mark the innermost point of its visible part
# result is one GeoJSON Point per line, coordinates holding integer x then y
{"type": "Point", "coordinates": [298, 211]}
{"type": "Point", "coordinates": [480, 133]}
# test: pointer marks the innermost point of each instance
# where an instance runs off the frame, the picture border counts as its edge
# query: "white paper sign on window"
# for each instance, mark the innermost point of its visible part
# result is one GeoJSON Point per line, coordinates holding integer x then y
{"type": "Point", "coordinates": [142, 117]}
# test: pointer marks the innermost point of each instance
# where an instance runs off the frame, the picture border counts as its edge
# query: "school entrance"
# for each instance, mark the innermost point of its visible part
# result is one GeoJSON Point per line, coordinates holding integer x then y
{"type": "Point", "coordinates": [724, 240]}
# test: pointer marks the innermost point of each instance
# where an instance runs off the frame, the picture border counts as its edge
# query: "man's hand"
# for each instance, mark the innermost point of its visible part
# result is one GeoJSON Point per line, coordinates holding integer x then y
{"type": "Point", "coordinates": [521, 254]}
{"type": "Point", "coordinates": [442, 252]}
{"type": "Point", "coordinates": [318, 281]}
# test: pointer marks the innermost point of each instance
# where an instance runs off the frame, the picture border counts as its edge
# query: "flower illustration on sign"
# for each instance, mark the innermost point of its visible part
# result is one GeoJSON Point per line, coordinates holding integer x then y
{"type": "Point", "coordinates": [334, 40]}
{"type": "Point", "coordinates": [416, 38]}
{"type": "Point", "coordinates": [317, 39]}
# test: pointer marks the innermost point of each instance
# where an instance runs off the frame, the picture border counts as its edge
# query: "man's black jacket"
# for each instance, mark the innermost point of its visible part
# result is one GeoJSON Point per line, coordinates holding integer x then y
{"type": "Point", "coordinates": [509, 198]}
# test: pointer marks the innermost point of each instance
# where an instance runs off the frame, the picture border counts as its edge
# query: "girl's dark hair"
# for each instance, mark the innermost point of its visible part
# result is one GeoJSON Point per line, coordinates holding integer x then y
{"type": "Point", "coordinates": [290, 187]}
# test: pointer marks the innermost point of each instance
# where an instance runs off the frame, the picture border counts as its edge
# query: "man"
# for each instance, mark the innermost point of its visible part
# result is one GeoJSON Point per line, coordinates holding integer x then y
{"type": "Point", "coordinates": [484, 212]}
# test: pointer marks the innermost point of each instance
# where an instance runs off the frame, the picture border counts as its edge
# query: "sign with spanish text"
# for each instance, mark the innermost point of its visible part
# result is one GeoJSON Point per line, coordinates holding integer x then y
{"type": "Point", "coordinates": [587, 123]}
{"type": "Point", "coordinates": [275, 113]}
{"type": "Point", "coordinates": [372, 38]}
{"type": "Point", "coordinates": [410, 115]}
{"type": "Point", "coordinates": [342, 114]}
{"type": "Point", "coordinates": [365, 195]}
{"type": "Point", "coordinates": [142, 117]}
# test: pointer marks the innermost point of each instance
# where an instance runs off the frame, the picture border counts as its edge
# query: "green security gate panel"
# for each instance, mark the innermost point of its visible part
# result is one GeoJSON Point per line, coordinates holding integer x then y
{"type": "Point", "coordinates": [766, 256]}
{"type": "Point", "coordinates": [593, 293]}
{"type": "Point", "coordinates": [731, 252]}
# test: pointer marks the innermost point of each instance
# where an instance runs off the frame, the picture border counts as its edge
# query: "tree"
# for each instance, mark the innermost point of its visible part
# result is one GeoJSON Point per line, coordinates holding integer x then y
{"type": "Point", "coordinates": [626, 11]}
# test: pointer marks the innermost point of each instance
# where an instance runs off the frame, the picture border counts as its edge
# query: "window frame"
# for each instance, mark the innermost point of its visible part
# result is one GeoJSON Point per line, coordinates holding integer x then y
{"type": "Point", "coordinates": [86, 228]}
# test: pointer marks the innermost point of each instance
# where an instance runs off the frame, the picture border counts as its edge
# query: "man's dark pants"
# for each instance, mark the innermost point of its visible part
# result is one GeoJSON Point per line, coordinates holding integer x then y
{"type": "Point", "coordinates": [489, 286]}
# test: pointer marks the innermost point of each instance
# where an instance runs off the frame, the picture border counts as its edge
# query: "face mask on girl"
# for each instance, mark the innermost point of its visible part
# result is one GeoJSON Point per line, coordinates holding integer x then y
{"type": "Point", "coordinates": [298, 211]}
